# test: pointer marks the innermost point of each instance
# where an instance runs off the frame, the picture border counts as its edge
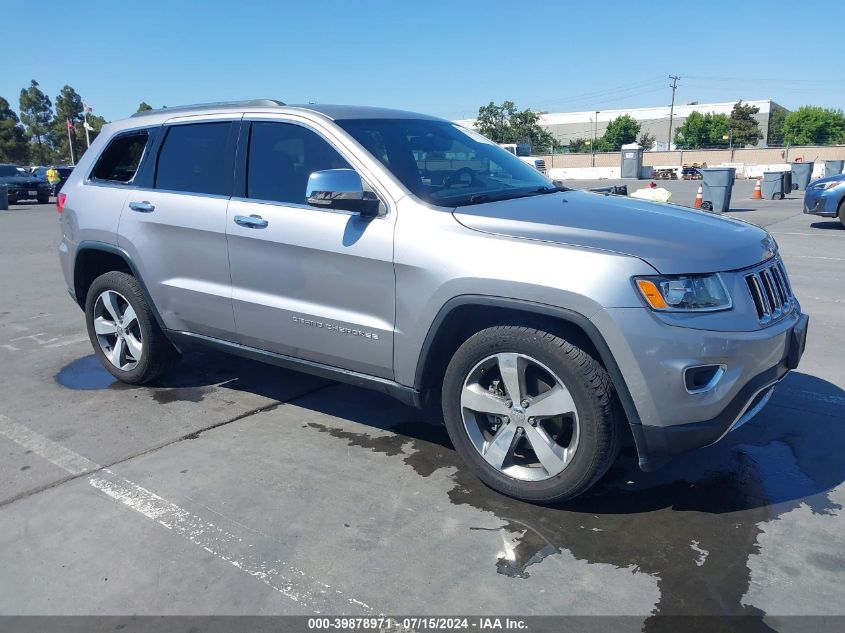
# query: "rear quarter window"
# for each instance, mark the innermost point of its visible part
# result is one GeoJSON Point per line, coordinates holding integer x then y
{"type": "Point", "coordinates": [119, 161]}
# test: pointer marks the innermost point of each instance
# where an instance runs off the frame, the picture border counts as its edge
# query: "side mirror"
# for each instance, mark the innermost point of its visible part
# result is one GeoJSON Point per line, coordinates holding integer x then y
{"type": "Point", "coordinates": [341, 189]}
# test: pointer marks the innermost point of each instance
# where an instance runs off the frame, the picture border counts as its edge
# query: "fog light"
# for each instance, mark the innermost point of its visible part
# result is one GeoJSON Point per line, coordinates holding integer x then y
{"type": "Point", "coordinates": [703, 378]}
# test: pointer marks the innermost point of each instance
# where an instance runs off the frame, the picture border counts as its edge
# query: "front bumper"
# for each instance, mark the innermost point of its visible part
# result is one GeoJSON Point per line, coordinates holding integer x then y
{"type": "Point", "coordinates": [653, 356]}
{"type": "Point", "coordinates": [17, 194]}
{"type": "Point", "coordinates": [823, 203]}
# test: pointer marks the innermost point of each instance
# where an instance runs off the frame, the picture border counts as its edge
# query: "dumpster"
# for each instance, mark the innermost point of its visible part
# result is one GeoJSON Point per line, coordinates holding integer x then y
{"type": "Point", "coordinates": [801, 174]}
{"type": "Point", "coordinates": [632, 160]}
{"type": "Point", "coordinates": [717, 184]}
{"type": "Point", "coordinates": [773, 186]}
{"type": "Point", "coordinates": [4, 197]}
{"type": "Point", "coordinates": [833, 167]}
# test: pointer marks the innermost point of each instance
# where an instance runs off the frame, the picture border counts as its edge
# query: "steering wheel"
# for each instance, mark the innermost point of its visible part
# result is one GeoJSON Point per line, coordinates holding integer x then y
{"type": "Point", "coordinates": [452, 179]}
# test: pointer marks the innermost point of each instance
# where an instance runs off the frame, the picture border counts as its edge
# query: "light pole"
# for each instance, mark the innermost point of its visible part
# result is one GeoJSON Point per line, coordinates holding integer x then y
{"type": "Point", "coordinates": [595, 134]}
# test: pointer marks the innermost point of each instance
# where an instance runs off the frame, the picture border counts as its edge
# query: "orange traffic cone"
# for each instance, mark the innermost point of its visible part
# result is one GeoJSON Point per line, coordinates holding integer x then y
{"type": "Point", "coordinates": [699, 198]}
{"type": "Point", "coordinates": [758, 193]}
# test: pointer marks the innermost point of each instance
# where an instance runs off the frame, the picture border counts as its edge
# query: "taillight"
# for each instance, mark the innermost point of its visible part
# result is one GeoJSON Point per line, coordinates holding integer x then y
{"type": "Point", "coordinates": [60, 202]}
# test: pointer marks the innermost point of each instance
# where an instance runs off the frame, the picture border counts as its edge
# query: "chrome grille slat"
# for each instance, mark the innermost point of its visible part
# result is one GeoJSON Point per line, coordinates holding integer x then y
{"type": "Point", "coordinates": [770, 291]}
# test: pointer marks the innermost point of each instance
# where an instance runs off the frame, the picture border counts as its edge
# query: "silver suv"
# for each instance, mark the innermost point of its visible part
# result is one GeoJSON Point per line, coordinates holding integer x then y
{"type": "Point", "coordinates": [403, 253]}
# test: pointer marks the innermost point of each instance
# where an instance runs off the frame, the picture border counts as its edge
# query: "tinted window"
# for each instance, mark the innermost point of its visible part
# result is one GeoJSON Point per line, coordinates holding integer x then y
{"type": "Point", "coordinates": [195, 158]}
{"type": "Point", "coordinates": [8, 170]}
{"type": "Point", "coordinates": [281, 157]}
{"type": "Point", "coordinates": [119, 161]}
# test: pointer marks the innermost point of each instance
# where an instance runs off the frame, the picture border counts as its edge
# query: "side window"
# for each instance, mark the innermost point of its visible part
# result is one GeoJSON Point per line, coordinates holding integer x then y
{"type": "Point", "coordinates": [281, 157]}
{"type": "Point", "coordinates": [120, 160]}
{"type": "Point", "coordinates": [195, 158]}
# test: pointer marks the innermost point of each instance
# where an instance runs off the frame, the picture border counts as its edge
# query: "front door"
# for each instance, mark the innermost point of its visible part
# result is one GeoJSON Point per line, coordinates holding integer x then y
{"type": "Point", "coordinates": [310, 283]}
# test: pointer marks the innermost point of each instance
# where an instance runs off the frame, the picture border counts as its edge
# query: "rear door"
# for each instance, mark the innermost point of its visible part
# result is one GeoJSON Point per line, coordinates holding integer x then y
{"type": "Point", "coordinates": [312, 283]}
{"type": "Point", "coordinates": [174, 228]}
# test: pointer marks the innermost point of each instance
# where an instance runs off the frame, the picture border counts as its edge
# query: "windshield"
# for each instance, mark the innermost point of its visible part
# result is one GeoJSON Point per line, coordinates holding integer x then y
{"type": "Point", "coordinates": [445, 164]}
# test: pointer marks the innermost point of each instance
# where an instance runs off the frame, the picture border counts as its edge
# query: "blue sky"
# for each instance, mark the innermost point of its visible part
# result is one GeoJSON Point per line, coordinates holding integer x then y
{"type": "Point", "coordinates": [443, 58]}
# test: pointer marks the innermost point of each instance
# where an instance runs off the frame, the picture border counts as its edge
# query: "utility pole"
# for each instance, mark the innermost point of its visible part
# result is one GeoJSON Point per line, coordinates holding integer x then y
{"type": "Point", "coordinates": [674, 87]}
{"type": "Point", "coordinates": [595, 134]}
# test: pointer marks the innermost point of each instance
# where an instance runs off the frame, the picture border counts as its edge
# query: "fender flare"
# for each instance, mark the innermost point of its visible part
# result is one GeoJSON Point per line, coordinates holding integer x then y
{"type": "Point", "coordinates": [530, 307]}
{"type": "Point", "coordinates": [93, 245]}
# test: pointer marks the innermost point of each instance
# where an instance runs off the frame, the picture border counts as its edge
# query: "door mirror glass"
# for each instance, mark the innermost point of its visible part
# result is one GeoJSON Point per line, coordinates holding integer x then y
{"type": "Point", "coordinates": [340, 189]}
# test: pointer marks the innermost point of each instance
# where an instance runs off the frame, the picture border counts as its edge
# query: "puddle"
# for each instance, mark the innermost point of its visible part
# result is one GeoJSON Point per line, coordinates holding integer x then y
{"type": "Point", "coordinates": [86, 374]}
{"type": "Point", "coordinates": [692, 525]}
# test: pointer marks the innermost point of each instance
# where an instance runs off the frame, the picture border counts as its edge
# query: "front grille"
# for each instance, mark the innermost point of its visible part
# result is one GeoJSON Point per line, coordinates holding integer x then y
{"type": "Point", "coordinates": [540, 165]}
{"type": "Point", "coordinates": [771, 292]}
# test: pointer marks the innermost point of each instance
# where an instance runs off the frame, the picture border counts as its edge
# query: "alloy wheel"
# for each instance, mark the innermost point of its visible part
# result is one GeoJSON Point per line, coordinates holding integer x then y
{"type": "Point", "coordinates": [118, 330]}
{"type": "Point", "coordinates": [520, 416]}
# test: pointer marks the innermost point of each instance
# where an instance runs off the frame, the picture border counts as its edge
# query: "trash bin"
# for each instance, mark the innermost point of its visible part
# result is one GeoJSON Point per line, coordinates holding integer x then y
{"type": "Point", "coordinates": [787, 182]}
{"type": "Point", "coordinates": [632, 160]}
{"type": "Point", "coordinates": [833, 167]}
{"type": "Point", "coordinates": [4, 197]}
{"type": "Point", "coordinates": [717, 184]}
{"type": "Point", "coordinates": [801, 174]}
{"type": "Point", "coordinates": [773, 186]}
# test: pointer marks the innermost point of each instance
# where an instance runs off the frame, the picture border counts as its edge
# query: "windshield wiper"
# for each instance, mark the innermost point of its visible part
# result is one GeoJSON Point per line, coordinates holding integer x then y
{"type": "Point", "coordinates": [555, 189]}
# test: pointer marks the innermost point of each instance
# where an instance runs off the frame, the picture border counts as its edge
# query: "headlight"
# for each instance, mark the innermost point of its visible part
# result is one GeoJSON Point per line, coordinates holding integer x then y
{"type": "Point", "coordinates": [827, 185]}
{"type": "Point", "coordinates": [684, 293]}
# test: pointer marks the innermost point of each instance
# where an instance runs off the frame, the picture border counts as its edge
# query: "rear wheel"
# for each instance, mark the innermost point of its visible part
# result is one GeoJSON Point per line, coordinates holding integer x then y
{"type": "Point", "coordinates": [123, 330]}
{"type": "Point", "coordinates": [841, 213]}
{"type": "Point", "coordinates": [530, 413]}
{"type": "Point", "coordinates": [43, 199]}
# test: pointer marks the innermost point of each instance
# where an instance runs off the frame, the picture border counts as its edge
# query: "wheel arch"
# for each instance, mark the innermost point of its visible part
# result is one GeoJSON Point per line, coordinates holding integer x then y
{"type": "Point", "coordinates": [462, 316]}
{"type": "Point", "coordinates": [96, 258]}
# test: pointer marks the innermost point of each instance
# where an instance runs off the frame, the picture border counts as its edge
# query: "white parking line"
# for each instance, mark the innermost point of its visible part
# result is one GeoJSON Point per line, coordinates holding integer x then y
{"type": "Point", "coordinates": [62, 457]}
{"type": "Point", "coordinates": [227, 546]}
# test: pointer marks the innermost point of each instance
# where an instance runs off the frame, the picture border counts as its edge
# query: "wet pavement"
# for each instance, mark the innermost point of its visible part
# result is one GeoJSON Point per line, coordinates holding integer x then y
{"type": "Point", "coordinates": [237, 488]}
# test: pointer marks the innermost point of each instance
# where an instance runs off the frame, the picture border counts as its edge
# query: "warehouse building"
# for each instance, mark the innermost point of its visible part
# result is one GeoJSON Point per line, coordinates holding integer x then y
{"type": "Point", "coordinates": [568, 126]}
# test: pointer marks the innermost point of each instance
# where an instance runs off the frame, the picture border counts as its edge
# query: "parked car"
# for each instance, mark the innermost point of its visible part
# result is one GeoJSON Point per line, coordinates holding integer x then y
{"type": "Point", "coordinates": [64, 172]}
{"type": "Point", "coordinates": [402, 253]}
{"type": "Point", "coordinates": [826, 197]}
{"type": "Point", "coordinates": [22, 186]}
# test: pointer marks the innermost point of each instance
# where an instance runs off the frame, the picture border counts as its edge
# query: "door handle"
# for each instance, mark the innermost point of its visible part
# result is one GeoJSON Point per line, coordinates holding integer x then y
{"type": "Point", "coordinates": [251, 221]}
{"type": "Point", "coordinates": [142, 207]}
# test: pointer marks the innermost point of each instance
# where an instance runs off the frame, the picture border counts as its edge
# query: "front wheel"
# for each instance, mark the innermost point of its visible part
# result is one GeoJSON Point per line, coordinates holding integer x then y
{"type": "Point", "coordinates": [123, 330]}
{"type": "Point", "coordinates": [43, 199]}
{"type": "Point", "coordinates": [530, 413]}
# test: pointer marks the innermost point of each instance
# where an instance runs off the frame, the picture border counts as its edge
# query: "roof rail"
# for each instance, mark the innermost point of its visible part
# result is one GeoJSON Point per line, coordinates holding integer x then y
{"type": "Point", "coordinates": [214, 106]}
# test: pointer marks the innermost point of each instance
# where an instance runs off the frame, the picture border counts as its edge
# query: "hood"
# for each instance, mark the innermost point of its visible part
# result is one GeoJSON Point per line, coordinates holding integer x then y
{"type": "Point", "coordinates": [834, 177]}
{"type": "Point", "coordinates": [673, 239]}
{"type": "Point", "coordinates": [22, 181]}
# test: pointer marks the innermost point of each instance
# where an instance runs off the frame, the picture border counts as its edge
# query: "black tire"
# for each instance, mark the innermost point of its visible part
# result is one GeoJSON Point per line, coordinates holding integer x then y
{"type": "Point", "coordinates": [43, 200]}
{"type": "Point", "coordinates": [157, 352]}
{"type": "Point", "coordinates": [706, 206]}
{"type": "Point", "coordinates": [590, 388]}
{"type": "Point", "coordinates": [841, 213]}
{"type": "Point", "coordinates": [778, 196]}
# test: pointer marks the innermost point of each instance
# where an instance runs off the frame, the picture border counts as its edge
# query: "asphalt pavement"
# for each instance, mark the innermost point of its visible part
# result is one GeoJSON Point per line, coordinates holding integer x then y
{"type": "Point", "coordinates": [236, 488]}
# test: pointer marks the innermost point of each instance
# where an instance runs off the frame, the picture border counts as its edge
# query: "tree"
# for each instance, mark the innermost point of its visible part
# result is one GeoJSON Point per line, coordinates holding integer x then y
{"type": "Point", "coordinates": [580, 145]}
{"type": "Point", "coordinates": [620, 131]}
{"type": "Point", "coordinates": [68, 108]}
{"type": "Point", "coordinates": [647, 141]}
{"type": "Point", "coordinates": [505, 124]}
{"type": "Point", "coordinates": [775, 133]}
{"type": "Point", "coordinates": [144, 106]}
{"type": "Point", "coordinates": [36, 111]}
{"type": "Point", "coordinates": [13, 144]}
{"type": "Point", "coordinates": [812, 125]}
{"type": "Point", "coordinates": [702, 130]}
{"type": "Point", "coordinates": [743, 127]}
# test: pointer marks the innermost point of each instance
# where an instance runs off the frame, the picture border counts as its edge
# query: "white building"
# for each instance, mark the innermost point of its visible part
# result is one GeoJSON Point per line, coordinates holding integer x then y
{"type": "Point", "coordinates": [568, 126]}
